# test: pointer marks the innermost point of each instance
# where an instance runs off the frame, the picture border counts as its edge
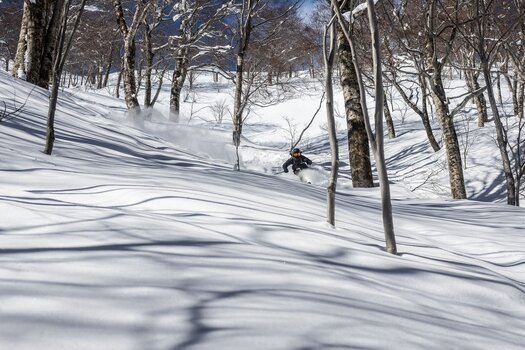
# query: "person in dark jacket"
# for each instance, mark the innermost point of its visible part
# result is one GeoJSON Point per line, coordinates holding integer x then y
{"type": "Point", "coordinates": [297, 161]}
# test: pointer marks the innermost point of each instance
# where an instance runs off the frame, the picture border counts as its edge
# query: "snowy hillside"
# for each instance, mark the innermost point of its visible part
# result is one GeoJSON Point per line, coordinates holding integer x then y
{"type": "Point", "coordinates": [140, 236]}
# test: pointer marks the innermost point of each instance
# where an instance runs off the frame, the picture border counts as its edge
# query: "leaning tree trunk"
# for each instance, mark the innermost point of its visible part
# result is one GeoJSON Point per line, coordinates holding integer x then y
{"type": "Point", "coordinates": [388, 119]}
{"type": "Point", "coordinates": [479, 100]}
{"type": "Point", "coordinates": [501, 136]}
{"type": "Point", "coordinates": [358, 145]}
{"type": "Point", "coordinates": [437, 91]}
{"type": "Point", "coordinates": [450, 139]}
{"type": "Point", "coordinates": [423, 112]}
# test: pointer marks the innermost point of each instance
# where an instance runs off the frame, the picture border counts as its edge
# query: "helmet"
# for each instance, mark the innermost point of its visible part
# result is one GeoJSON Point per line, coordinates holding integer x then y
{"type": "Point", "coordinates": [295, 151]}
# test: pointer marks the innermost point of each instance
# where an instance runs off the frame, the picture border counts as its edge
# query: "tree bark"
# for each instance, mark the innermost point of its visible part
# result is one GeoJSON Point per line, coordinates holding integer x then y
{"type": "Point", "coordinates": [50, 43]}
{"type": "Point", "coordinates": [35, 40]}
{"type": "Point", "coordinates": [128, 77]}
{"type": "Point", "coordinates": [358, 143]}
{"type": "Point", "coordinates": [450, 139]}
{"type": "Point", "coordinates": [388, 119]}
{"type": "Point", "coordinates": [19, 68]}
{"type": "Point", "coordinates": [149, 65]}
{"type": "Point", "coordinates": [177, 83]}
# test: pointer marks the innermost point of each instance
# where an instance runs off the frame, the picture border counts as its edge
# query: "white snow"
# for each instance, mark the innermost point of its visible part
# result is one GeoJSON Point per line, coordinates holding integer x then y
{"type": "Point", "coordinates": [141, 236]}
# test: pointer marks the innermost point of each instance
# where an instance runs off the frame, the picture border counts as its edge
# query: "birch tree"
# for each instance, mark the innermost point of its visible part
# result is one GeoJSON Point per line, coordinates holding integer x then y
{"type": "Point", "coordinates": [358, 143]}
{"type": "Point", "coordinates": [405, 64]}
{"type": "Point", "coordinates": [128, 34]}
{"type": "Point", "coordinates": [485, 38]}
{"type": "Point", "coordinates": [439, 40]}
{"type": "Point", "coordinates": [151, 23]}
{"type": "Point", "coordinates": [38, 40]}
{"type": "Point", "coordinates": [247, 21]}
{"type": "Point", "coordinates": [63, 47]}
{"type": "Point", "coordinates": [329, 55]}
{"type": "Point", "coordinates": [197, 21]}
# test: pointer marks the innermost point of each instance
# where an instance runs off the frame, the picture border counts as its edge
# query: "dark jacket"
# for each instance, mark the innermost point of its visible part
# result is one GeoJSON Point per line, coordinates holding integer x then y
{"type": "Point", "coordinates": [297, 164]}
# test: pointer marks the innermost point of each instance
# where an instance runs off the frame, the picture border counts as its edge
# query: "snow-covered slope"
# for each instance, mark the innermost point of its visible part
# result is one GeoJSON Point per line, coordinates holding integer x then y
{"type": "Point", "coordinates": [125, 238]}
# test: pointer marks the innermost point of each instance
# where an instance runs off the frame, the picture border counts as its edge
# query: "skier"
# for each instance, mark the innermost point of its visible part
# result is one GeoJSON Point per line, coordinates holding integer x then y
{"type": "Point", "coordinates": [297, 161]}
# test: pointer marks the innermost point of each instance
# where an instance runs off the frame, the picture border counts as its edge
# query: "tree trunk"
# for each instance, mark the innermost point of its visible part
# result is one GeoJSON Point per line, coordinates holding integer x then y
{"type": "Point", "coordinates": [19, 68]}
{"type": "Point", "coordinates": [159, 87]}
{"type": "Point", "coordinates": [388, 119]}
{"type": "Point", "coordinates": [501, 136]}
{"type": "Point", "coordinates": [437, 90]}
{"type": "Point", "coordinates": [119, 81]}
{"type": "Point", "coordinates": [35, 40]}
{"type": "Point", "coordinates": [358, 144]}
{"type": "Point", "coordinates": [237, 106]}
{"type": "Point", "coordinates": [521, 99]}
{"type": "Point", "coordinates": [481, 105]}
{"type": "Point", "coordinates": [386, 203]}
{"type": "Point", "coordinates": [329, 54]}
{"type": "Point", "coordinates": [50, 43]}
{"type": "Point", "coordinates": [58, 65]}
{"type": "Point", "coordinates": [128, 76]}
{"type": "Point", "coordinates": [149, 67]}
{"type": "Point", "coordinates": [128, 61]}
{"type": "Point", "coordinates": [450, 139]}
{"type": "Point", "coordinates": [498, 86]}
{"type": "Point", "coordinates": [423, 112]}
{"type": "Point", "coordinates": [177, 82]}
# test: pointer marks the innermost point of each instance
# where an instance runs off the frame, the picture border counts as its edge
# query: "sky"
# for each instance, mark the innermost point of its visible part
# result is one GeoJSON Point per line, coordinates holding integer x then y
{"type": "Point", "coordinates": [307, 7]}
{"type": "Point", "coordinates": [139, 235]}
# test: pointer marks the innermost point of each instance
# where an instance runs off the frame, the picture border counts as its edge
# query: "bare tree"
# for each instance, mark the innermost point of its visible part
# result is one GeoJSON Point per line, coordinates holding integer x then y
{"type": "Point", "coordinates": [160, 11]}
{"type": "Point", "coordinates": [329, 56]}
{"type": "Point", "coordinates": [477, 37]}
{"type": "Point", "coordinates": [408, 77]}
{"type": "Point", "coordinates": [439, 40]}
{"type": "Point", "coordinates": [58, 65]}
{"type": "Point", "coordinates": [472, 71]}
{"type": "Point", "coordinates": [197, 20]}
{"type": "Point", "coordinates": [128, 34]}
{"type": "Point", "coordinates": [247, 21]}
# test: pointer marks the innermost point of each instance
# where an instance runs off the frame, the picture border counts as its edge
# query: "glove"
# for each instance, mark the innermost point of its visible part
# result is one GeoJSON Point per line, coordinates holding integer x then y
{"type": "Point", "coordinates": [285, 170]}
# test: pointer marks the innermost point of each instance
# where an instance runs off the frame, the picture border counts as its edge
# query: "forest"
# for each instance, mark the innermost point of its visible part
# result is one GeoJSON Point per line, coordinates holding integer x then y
{"type": "Point", "coordinates": [147, 202]}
